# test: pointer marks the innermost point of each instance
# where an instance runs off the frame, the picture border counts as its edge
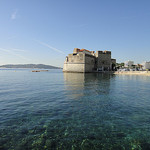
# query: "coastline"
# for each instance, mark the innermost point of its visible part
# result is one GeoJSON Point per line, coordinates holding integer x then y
{"type": "Point", "coordinates": [147, 73]}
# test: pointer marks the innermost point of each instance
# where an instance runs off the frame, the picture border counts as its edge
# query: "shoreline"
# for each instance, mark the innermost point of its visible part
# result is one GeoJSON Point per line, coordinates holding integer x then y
{"type": "Point", "coordinates": [147, 73]}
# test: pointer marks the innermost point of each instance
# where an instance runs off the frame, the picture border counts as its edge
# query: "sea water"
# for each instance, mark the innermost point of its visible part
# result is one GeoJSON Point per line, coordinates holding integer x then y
{"type": "Point", "coordinates": [73, 111]}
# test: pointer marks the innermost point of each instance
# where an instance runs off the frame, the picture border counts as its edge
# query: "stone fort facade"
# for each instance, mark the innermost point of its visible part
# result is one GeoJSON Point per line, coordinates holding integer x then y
{"type": "Point", "coordinates": [82, 60]}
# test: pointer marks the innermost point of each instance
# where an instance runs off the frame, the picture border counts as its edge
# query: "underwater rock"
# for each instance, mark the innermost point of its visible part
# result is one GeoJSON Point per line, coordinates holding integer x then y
{"type": "Point", "coordinates": [24, 131]}
{"type": "Point", "coordinates": [87, 145]}
{"type": "Point", "coordinates": [92, 137]}
{"type": "Point", "coordinates": [74, 147]}
{"type": "Point", "coordinates": [145, 146]}
{"type": "Point", "coordinates": [120, 135]}
{"type": "Point", "coordinates": [135, 145]}
{"type": "Point", "coordinates": [38, 143]}
{"type": "Point", "coordinates": [50, 144]}
{"type": "Point", "coordinates": [117, 147]}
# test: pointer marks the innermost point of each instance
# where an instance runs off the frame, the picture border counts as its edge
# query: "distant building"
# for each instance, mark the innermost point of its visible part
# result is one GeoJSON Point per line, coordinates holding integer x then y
{"type": "Point", "coordinates": [129, 63]}
{"type": "Point", "coordinates": [146, 65]}
{"type": "Point", "coordinates": [82, 60]}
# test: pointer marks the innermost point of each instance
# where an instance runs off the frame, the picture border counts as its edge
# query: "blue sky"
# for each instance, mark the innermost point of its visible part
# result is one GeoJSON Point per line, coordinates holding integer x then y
{"type": "Point", "coordinates": [45, 31]}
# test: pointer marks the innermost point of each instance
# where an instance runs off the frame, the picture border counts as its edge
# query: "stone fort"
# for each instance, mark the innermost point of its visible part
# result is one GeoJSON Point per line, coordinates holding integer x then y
{"type": "Point", "coordinates": [82, 60]}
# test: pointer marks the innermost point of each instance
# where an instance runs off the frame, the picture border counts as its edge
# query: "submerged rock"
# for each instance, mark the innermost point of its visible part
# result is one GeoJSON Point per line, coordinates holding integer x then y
{"type": "Point", "coordinates": [50, 144]}
{"type": "Point", "coordinates": [87, 145]}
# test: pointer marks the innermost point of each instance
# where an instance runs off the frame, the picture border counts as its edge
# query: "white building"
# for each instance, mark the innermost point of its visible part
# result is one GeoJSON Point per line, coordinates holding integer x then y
{"type": "Point", "coordinates": [129, 63]}
{"type": "Point", "coordinates": [146, 65]}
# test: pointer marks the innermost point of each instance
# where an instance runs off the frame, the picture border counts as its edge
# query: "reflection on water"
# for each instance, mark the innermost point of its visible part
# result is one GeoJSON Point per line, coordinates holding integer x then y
{"type": "Point", "coordinates": [80, 84]}
{"type": "Point", "coordinates": [74, 84]}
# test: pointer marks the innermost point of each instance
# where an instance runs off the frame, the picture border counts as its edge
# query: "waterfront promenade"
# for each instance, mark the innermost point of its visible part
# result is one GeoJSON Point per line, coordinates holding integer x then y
{"type": "Point", "coordinates": [147, 73]}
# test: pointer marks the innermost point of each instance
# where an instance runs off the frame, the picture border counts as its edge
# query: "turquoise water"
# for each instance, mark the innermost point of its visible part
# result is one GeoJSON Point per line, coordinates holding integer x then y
{"type": "Point", "coordinates": [65, 111]}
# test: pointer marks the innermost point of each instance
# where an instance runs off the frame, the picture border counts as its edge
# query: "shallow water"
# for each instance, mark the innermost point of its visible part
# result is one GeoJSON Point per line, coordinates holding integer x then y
{"type": "Point", "coordinates": [66, 111]}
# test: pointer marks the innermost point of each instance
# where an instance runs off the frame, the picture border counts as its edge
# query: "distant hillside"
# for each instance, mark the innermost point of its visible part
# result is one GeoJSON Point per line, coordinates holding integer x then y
{"type": "Point", "coordinates": [40, 66]}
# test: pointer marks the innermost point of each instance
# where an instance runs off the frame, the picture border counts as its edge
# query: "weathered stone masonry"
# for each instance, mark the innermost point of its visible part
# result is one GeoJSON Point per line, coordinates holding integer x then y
{"type": "Point", "coordinates": [83, 60]}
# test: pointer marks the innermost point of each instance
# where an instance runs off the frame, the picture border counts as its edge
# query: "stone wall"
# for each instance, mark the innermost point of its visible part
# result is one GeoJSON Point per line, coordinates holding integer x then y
{"type": "Point", "coordinates": [104, 60]}
{"type": "Point", "coordinates": [90, 63]}
{"type": "Point", "coordinates": [76, 58]}
{"type": "Point", "coordinates": [74, 63]}
{"type": "Point", "coordinates": [80, 62]}
{"type": "Point", "coordinates": [71, 67]}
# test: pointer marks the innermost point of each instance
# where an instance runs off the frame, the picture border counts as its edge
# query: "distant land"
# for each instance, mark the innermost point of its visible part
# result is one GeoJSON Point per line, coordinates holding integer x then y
{"type": "Point", "coordinates": [37, 66]}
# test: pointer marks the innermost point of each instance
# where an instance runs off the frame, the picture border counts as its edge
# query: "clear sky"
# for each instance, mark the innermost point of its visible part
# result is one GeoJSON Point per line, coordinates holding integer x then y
{"type": "Point", "coordinates": [45, 31]}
